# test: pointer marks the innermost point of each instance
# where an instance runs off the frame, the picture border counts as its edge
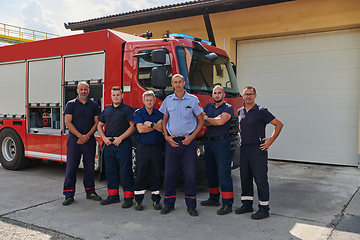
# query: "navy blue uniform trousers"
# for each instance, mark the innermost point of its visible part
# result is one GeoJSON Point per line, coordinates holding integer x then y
{"type": "Point", "coordinates": [218, 169]}
{"type": "Point", "coordinates": [183, 156]}
{"type": "Point", "coordinates": [119, 158]}
{"type": "Point", "coordinates": [148, 159]}
{"type": "Point", "coordinates": [73, 157]}
{"type": "Point", "coordinates": [254, 166]}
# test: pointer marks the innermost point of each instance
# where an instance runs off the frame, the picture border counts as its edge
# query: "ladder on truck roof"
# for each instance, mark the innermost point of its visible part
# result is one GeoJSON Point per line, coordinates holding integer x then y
{"type": "Point", "coordinates": [10, 34]}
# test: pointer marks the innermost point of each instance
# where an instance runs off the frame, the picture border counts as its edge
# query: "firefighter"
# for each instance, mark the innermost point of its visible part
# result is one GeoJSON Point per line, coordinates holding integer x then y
{"type": "Point", "coordinates": [253, 153]}
{"type": "Point", "coordinates": [81, 116]}
{"type": "Point", "coordinates": [149, 137]}
{"type": "Point", "coordinates": [218, 152]}
{"type": "Point", "coordinates": [182, 121]}
{"type": "Point", "coordinates": [119, 121]}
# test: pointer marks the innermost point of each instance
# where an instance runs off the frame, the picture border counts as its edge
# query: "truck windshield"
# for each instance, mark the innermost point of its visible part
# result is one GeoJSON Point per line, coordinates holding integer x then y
{"type": "Point", "coordinates": [201, 75]}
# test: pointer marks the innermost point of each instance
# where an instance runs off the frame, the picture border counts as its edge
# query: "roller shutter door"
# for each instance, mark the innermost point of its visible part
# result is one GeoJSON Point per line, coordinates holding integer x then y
{"type": "Point", "coordinates": [45, 81]}
{"type": "Point", "coordinates": [12, 90]}
{"type": "Point", "coordinates": [311, 83]}
{"type": "Point", "coordinates": [86, 67]}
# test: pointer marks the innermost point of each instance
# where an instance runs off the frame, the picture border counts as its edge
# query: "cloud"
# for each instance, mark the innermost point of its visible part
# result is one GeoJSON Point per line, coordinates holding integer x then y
{"type": "Point", "coordinates": [139, 4]}
{"type": "Point", "coordinates": [50, 16]}
{"type": "Point", "coordinates": [81, 10]}
{"type": "Point", "coordinates": [35, 16]}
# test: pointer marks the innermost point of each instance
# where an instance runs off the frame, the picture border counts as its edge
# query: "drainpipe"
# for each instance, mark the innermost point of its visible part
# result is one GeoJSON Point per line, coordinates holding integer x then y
{"type": "Point", "coordinates": [209, 29]}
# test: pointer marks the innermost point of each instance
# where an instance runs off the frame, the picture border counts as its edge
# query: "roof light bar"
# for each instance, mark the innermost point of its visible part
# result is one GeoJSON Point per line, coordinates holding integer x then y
{"type": "Point", "coordinates": [184, 36]}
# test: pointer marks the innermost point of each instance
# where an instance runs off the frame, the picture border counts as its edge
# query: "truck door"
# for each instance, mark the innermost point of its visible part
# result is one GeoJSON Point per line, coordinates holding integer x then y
{"type": "Point", "coordinates": [143, 73]}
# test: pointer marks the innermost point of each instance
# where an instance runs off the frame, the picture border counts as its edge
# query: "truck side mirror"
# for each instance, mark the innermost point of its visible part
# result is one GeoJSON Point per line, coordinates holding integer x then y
{"type": "Point", "coordinates": [158, 56]}
{"type": "Point", "coordinates": [158, 77]}
{"type": "Point", "coordinates": [211, 56]}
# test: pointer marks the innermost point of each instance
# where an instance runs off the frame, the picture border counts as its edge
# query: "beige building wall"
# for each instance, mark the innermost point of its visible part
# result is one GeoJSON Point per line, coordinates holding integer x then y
{"type": "Point", "coordinates": [296, 17]}
{"type": "Point", "coordinates": [290, 18]}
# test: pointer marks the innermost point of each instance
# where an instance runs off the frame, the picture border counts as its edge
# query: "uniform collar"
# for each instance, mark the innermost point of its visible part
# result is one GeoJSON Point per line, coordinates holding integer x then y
{"type": "Point", "coordinates": [121, 104]}
{"type": "Point", "coordinates": [223, 104]}
{"type": "Point", "coordinates": [255, 107]}
{"type": "Point", "coordinates": [143, 110]}
{"type": "Point", "coordinates": [77, 99]}
{"type": "Point", "coordinates": [186, 96]}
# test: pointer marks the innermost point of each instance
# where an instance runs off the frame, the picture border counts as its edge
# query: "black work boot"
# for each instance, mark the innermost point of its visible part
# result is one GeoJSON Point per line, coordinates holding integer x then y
{"type": "Point", "coordinates": [109, 200]}
{"type": "Point", "coordinates": [225, 209]}
{"type": "Point", "coordinates": [244, 209]}
{"type": "Point", "coordinates": [260, 215]}
{"type": "Point", "coordinates": [139, 206]}
{"type": "Point", "coordinates": [210, 202]}
{"type": "Point", "coordinates": [127, 203]}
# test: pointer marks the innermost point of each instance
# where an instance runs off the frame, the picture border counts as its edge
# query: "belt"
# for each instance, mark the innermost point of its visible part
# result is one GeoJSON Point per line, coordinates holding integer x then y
{"type": "Point", "coordinates": [181, 137]}
{"type": "Point", "coordinates": [178, 138]}
{"type": "Point", "coordinates": [216, 138]}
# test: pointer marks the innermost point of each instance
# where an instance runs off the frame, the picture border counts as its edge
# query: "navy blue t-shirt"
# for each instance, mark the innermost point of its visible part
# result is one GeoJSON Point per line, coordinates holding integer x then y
{"type": "Point", "coordinates": [253, 123]}
{"type": "Point", "coordinates": [117, 119]}
{"type": "Point", "coordinates": [211, 111]}
{"type": "Point", "coordinates": [82, 114]}
{"type": "Point", "coordinates": [153, 137]}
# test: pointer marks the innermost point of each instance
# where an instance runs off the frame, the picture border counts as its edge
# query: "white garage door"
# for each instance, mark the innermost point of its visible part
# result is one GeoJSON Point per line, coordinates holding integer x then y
{"type": "Point", "coordinates": [311, 83]}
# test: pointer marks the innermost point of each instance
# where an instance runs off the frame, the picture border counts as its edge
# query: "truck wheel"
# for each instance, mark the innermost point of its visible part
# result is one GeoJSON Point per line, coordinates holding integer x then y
{"type": "Point", "coordinates": [12, 155]}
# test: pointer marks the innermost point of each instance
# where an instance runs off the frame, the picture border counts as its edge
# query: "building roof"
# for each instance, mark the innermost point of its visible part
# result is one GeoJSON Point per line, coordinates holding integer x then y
{"type": "Point", "coordinates": [167, 12]}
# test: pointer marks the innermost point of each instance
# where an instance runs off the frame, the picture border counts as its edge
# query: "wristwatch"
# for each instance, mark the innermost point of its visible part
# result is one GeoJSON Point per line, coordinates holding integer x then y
{"type": "Point", "coordinates": [152, 124]}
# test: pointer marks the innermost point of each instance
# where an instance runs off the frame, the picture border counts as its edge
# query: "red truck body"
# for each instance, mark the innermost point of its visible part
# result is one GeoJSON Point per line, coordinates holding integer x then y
{"type": "Point", "coordinates": [38, 78]}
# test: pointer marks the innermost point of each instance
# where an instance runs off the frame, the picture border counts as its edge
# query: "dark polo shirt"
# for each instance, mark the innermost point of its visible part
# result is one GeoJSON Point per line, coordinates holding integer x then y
{"type": "Point", "coordinates": [253, 123]}
{"type": "Point", "coordinates": [82, 114]}
{"type": "Point", "coordinates": [117, 119]}
{"type": "Point", "coordinates": [211, 111]}
{"type": "Point", "coordinates": [153, 137]}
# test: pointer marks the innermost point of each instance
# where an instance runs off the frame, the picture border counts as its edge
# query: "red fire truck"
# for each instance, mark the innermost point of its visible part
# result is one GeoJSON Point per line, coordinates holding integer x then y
{"type": "Point", "coordinates": [38, 78]}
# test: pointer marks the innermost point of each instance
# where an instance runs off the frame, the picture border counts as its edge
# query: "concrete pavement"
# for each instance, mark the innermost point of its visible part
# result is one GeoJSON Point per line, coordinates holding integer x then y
{"type": "Point", "coordinates": [308, 201]}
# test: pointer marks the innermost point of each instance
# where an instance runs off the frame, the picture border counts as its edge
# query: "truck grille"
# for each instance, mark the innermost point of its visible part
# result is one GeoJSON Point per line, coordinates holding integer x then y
{"type": "Point", "coordinates": [234, 127]}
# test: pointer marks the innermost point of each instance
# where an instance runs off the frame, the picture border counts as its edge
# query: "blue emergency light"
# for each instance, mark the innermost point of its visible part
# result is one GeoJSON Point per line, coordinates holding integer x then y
{"type": "Point", "coordinates": [184, 36]}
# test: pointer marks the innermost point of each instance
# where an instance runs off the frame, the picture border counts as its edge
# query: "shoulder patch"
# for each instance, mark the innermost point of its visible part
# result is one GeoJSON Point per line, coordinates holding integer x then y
{"type": "Point", "coordinates": [262, 108]}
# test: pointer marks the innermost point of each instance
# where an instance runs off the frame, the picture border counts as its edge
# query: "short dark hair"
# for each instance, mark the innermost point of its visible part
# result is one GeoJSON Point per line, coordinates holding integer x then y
{"type": "Point", "coordinates": [250, 87]}
{"type": "Point", "coordinates": [116, 88]}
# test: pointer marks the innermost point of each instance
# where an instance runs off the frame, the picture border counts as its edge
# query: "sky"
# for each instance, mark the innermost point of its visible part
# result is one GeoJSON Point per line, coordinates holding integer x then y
{"type": "Point", "coordinates": [50, 15]}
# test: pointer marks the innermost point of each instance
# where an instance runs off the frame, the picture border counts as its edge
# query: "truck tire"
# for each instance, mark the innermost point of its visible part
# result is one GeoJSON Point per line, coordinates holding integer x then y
{"type": "Point", "coordinates": [12, 156]}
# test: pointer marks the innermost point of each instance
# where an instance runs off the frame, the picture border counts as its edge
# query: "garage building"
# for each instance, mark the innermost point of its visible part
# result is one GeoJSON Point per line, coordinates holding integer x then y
{"type": "Point", "coordinates": [302, 56]}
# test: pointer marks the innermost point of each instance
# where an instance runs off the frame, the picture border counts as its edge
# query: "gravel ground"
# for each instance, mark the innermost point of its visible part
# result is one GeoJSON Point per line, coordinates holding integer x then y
{"type": "Point", "coordinates": [11, 229]}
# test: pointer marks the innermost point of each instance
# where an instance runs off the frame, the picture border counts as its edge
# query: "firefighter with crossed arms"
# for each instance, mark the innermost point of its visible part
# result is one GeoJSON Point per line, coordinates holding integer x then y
{"type": "Point", "coordinates": [218, 152]}
{"type": "Point", "coordinates": [149, 137]}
